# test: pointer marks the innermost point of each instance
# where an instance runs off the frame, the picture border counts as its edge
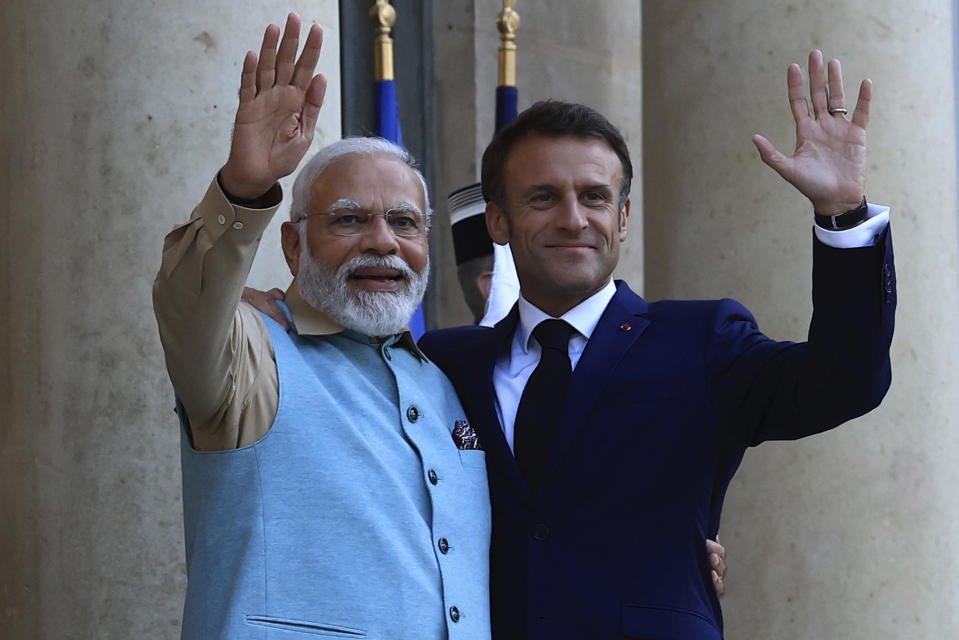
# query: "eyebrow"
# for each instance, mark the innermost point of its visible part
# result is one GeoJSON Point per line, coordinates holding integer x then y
{"type": "Point", "coordinates": [598, 187]}
{"type": "Point", "coordinates": [346, 203]}
{"type": "Point", "coordinates": [407, 206]}
{"type": "Point", "coordinates": [533, 188]}
{"type": "Point", "coordinates": [353, 205]}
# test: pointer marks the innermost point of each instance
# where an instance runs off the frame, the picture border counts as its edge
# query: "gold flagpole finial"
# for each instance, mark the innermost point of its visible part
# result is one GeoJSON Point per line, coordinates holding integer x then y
{"type": "Point", "coordinates": [508, 23]}
{"type": "Point", "coordinates": [384, 15]}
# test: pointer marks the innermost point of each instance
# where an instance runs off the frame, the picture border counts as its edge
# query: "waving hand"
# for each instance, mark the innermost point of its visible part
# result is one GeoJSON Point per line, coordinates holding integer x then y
{"type": "Point", "coordinates": [829, 162]}
{"type": "Point", "coordinates": [279, 105]}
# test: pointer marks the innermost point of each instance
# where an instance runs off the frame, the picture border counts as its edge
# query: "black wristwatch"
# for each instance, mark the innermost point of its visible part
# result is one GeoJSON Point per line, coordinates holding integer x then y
{"type": "Point", "coordinates": [844, 220]}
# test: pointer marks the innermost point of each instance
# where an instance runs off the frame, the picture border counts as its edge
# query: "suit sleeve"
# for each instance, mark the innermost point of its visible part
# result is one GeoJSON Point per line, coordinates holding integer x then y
{"type": "Point", "coordinates": [768, 390]}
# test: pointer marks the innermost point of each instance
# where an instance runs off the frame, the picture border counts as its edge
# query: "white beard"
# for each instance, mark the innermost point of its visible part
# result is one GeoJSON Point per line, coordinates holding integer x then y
{"type": "Point", "coordinates": [373, 313]}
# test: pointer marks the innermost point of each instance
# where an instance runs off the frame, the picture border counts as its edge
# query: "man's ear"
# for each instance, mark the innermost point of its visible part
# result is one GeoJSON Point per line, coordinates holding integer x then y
{"type": "Point", "coordinates": [623, 220]}
{"type": "Point", "coordinates": [496, 223]}
{"type": "Point", "coordinates": [290, 238]}
{"type": "Point", "coordinates": [484, 282]}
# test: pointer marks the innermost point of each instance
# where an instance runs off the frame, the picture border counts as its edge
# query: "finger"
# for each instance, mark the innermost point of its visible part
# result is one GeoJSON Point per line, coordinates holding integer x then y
{"type": "Point", "coordinates": [817, 84]}
{"type": "Point", "coordinates": [713, 546]}
{"type": "Point", "coordinates": [837, 96]}
{"type": "Point", "coordinates": [248, 78]}
{"type": "Point", "coordinates": [797, 96]}
{"type": "Point", "coordinates": [266, 67]}
{"type": "Point", "coordinates": [718, 564]}
{"type": "Point", "coordinates": [287, 52]}
{"type": "Point", "coordinates": [308, 59]}
{"type": "Point", "coordinates": [312, 104]}
{"type": "Point", "coordinates": [860, 116]}
{"type": "Point", "coordinates": [276, 314]}
{"type": "Point", "coordinates": [780, 163]}
{"type": "Point", "coordinates": [718, 584]}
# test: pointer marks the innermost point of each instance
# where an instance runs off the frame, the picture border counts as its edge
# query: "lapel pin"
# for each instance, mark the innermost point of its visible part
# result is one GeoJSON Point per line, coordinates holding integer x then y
{"type": "Point", "coordinates": [625, 327]}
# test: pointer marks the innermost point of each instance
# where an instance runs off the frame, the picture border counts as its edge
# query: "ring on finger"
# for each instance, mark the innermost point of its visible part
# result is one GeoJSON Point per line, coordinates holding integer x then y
{"type": "Point", "coordinates": [838, 110]}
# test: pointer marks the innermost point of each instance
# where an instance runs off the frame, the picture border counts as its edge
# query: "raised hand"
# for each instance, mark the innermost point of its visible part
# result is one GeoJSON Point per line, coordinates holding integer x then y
{"type": "Point", "coordinates": [829, 163]}
{"type": "Point", "coordinates": [279, 105]}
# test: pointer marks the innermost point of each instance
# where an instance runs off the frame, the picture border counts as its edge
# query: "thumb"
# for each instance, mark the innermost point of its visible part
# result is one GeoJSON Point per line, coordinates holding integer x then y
{"type": "Point", "coordinates": [780, 163]}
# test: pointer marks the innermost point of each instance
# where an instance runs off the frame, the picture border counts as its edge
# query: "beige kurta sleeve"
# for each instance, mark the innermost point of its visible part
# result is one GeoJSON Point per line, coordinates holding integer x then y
{"type": "Point", "coordinates": [218, 352]}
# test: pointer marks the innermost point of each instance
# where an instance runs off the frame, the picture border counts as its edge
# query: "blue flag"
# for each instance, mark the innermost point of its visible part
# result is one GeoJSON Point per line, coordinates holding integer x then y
{"type": "Point", "coordinates": [506, 98]}
{"type": "Point", "coordinates": [388, 126]}
{"type": "Point", "coordinates": [388, 112]}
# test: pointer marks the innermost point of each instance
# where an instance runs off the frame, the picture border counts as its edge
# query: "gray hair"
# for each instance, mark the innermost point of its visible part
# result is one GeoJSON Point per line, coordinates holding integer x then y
{"type": "Point", "coordinates": [329, 154]}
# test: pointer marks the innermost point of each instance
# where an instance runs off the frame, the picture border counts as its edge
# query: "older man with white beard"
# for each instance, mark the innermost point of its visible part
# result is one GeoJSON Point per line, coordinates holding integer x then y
{"type": "Point", "coordinates": [331, 482]}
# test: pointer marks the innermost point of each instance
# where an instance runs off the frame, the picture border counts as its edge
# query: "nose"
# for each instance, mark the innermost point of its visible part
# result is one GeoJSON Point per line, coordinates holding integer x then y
{"type": "Point", "coordinates": [378, 238]}
{"type": "Point", "coordinates": [570, 215]}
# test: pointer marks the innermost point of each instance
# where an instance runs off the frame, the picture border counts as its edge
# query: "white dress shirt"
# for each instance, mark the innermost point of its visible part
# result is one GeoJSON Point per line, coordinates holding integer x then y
{"type": "Point", "coordinates": [514, 367]}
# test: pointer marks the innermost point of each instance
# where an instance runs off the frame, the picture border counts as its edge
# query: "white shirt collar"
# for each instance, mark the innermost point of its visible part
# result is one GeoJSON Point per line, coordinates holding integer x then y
{"type": "Point", "coordinates": [583, 317]}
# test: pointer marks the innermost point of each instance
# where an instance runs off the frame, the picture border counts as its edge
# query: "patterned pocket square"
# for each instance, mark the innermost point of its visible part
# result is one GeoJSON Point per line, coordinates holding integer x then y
{"type": "Point", "coordinates": [465, 436]}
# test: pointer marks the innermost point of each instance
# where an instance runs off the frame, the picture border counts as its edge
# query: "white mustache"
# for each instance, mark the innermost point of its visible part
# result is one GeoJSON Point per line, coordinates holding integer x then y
{"type": "Point", "coordinates": [385, 262]}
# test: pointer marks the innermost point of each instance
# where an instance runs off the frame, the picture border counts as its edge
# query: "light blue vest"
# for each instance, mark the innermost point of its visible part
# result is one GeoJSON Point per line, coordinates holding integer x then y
{"type": "Point", "coordinates": [355, 516]}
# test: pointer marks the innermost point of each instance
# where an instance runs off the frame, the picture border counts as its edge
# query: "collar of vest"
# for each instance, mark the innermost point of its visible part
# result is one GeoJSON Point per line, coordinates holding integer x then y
{"type": "Point", "coordinates": [311, 321]}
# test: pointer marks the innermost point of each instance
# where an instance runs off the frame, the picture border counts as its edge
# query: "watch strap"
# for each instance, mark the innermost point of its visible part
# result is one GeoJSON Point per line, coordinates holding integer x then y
{"type": "Point", "coordinates": [844, 220]}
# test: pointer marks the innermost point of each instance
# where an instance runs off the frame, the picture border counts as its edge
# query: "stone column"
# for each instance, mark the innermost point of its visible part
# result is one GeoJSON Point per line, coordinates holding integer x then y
{"type": "Point", "coordinates": [848, 534]}
{"type": "Point", "coordinates": [581, 52]}
{"type": "Point", "coordinates": [113, 119]}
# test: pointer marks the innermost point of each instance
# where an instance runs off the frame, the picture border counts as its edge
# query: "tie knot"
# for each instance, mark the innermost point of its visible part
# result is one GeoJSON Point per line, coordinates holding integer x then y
{"type": "Point", "coordinates": [553, 334]}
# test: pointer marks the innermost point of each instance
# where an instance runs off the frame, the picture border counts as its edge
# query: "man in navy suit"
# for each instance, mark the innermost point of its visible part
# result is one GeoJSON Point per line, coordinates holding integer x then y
{"type": "Point", "coordinates": [609, 466]}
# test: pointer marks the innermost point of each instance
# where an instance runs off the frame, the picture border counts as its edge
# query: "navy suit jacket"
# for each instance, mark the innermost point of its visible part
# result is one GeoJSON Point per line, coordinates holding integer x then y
{"type": "Point", "coordinates": [662, 405]}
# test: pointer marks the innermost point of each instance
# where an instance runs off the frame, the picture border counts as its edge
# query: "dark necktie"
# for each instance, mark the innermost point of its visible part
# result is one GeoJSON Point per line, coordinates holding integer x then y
{"type": "Point", "coordinates": [541, 405]}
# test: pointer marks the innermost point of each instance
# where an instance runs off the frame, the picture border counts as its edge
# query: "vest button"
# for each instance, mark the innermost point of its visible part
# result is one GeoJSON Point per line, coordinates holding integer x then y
{"type": "Point", "coordinates": [444, 546]}
{"type": "Point", "coordinates": [540, 532]}
{"type": "Point", "coordinates": [433, 477]}
{"type": "Point", "coordinates": [413, 413]}
{"type": "Point", "coordinates": [454, 614]}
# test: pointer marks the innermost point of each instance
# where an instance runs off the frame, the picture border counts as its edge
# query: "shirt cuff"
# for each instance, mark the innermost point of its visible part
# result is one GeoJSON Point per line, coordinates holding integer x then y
{"type": "Point", "coordinates": [862, 235]}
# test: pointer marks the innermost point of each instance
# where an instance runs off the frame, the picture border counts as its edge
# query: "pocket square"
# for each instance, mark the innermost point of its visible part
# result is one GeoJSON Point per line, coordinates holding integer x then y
{"type": "Point", "coordinates": [465, 436]}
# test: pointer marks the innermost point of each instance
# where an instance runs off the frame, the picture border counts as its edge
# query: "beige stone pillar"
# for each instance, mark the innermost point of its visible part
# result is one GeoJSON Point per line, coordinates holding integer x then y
{"type": "Point", "coordinates": [581, 52]}
{"type": "Point", "coordinates": [113, 118]}
{"type": "Point", "coordinates": [848, 534]}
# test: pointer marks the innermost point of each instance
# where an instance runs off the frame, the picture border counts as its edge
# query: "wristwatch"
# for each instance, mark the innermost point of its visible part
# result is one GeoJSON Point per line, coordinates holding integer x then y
{"type": "Point", "coordinates": [844, 220]}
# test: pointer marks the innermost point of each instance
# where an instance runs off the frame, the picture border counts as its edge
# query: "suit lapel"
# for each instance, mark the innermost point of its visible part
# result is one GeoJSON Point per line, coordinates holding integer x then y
{"type": "Point", "coordinates": [480, 385]}
{"type": "Point", "coordinates": [621, 324]}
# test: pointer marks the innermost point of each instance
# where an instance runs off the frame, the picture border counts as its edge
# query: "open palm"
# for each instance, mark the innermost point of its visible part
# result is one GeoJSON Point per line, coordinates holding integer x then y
{"type": "Point", "coordinates": [279, 105]}
{"type": "Point", "coordinates": [829, 162]}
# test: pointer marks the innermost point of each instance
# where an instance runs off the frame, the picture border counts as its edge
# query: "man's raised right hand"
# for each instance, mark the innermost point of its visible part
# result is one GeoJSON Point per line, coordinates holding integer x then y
{"type": "Point", "coordinates": [279, 106]}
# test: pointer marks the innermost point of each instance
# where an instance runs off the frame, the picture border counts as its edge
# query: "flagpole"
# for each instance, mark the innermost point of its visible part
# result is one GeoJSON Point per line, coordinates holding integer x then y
{"type": "Point", "coordinates": [507, 22]}
{"type": "Point", "coordinates": [504, 289]}
{"type": "Point", "coordinates": [388, 107]}
{"type": "Point", "coordinates": [384, 15]}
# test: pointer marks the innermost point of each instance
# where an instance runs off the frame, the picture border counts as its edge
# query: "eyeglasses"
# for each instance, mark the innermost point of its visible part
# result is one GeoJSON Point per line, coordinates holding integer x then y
{"type": "Point", "coordinates": [402, 221]}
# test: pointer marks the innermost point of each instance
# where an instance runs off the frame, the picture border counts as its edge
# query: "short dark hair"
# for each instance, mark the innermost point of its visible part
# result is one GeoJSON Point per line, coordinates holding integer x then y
{"type": "Point", "coordinates": [551, 118]}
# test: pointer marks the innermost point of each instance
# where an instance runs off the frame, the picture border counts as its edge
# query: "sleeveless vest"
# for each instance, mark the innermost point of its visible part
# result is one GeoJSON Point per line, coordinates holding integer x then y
{"type": "Point", "coordinates": [355, 516]}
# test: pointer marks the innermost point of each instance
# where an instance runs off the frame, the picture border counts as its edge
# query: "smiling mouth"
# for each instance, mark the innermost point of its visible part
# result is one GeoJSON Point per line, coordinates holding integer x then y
{"type": "Point", "coordinates": [377, 274]}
